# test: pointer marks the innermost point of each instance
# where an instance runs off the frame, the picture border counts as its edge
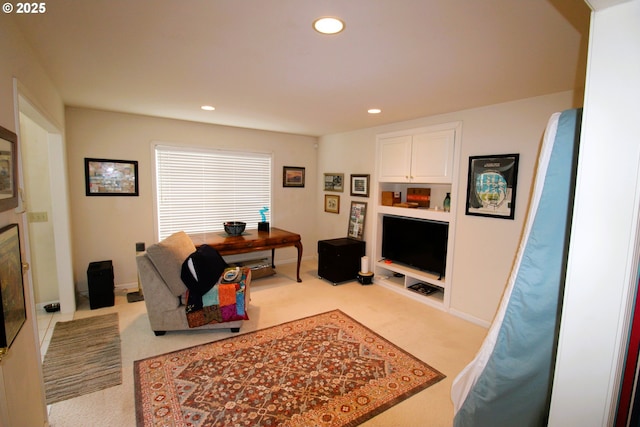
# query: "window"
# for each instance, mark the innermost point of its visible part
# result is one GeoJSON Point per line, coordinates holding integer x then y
{"type": "Point", "coordinates": [198, 190]}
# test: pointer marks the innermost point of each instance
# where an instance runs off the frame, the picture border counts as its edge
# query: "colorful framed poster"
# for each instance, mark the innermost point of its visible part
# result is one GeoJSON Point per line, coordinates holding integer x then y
{"type": "Point", "coordinates": [104, 177]}
{"type": "Point", "coordinates": [491, 185]}
{"type": "Point", "coordinates": [357, 215]}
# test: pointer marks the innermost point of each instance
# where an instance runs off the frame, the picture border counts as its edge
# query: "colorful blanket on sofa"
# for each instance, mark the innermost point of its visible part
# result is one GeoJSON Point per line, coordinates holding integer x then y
{"type": "Point", "coordinates": [225, 302]}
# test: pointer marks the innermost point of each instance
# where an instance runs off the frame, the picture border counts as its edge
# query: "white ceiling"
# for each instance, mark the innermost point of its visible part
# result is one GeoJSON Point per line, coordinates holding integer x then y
{"type": "Point", "coordinates": [262, 66]}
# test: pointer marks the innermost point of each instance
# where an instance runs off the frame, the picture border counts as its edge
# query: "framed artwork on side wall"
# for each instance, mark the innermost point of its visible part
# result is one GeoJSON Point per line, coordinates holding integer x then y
{"type": "Point", "coordinates": [8, 170]}
{"type": "Point", "coordinates": [12, 304]}
{"type": "Point", "coordinates": [492, 184]}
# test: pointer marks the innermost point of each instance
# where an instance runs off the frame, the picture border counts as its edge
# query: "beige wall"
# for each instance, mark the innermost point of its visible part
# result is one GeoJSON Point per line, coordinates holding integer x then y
{"type": "Point", "coordinates": [109, 227]}
{"type": "Point", "coordinates": [484, 247]}
{"type": "Point", "coordinates": [21, 392]}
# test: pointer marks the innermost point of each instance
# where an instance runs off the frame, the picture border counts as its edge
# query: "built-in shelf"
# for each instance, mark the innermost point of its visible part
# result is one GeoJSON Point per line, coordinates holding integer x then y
{"type": "Point", "coordinates": [387, 275]}
{"type": "Point", "coordinates": [424, 158]}
{"type": "Point", "coordinates": [432, 214]}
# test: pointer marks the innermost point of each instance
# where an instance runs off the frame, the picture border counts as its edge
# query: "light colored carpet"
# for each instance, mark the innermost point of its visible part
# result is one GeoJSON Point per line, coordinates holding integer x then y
{"type": "Point", "coordinates": [83, 357]}
{"type": "Point", "coordinates": [445, 341]}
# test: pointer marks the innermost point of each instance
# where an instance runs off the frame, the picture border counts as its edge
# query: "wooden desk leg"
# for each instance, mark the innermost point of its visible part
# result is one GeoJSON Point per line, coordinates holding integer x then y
{"type": "Point", "coordinates": [273, 258]}
{"type": "Point", "coordinates": [299, 246]}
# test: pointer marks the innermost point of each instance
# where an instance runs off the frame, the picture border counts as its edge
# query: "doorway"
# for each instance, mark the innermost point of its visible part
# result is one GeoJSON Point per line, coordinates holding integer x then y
{"type": "Point", "coordinates": [44, 201]}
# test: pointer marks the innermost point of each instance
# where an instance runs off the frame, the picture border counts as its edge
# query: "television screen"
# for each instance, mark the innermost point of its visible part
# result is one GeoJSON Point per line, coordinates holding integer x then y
{"type": "Point", "coordinates": [415, 242]}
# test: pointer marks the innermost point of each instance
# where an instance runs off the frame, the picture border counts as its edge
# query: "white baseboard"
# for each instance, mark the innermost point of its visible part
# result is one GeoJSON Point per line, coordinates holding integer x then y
{"type": "Point", "coordinates": [133, 286]}
{"type": "Point", "coordinates": [470, 318]}
{"type": "Point", "coordinates": [40, 305]}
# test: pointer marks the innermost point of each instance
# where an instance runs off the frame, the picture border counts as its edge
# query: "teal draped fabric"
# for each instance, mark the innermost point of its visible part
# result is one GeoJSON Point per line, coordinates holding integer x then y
{"type": "Point", "coordinates": [514, 387]}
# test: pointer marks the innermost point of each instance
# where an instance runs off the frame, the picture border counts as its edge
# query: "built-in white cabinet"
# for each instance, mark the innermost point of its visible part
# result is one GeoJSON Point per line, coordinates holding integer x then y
{"type": "Point", "coordinates": [420, 157]}
{"type": "Point", "coordinates": [427, 157]}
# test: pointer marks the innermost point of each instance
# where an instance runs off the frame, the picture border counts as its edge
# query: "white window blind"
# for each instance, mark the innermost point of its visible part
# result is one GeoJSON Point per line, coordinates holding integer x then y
{"type": "Point", "coordinates": [199, 190]}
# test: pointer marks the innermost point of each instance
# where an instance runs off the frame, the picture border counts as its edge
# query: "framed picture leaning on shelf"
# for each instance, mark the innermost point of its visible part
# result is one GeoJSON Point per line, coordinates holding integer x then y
{"type": "Point", "coordinates": [357, 215]}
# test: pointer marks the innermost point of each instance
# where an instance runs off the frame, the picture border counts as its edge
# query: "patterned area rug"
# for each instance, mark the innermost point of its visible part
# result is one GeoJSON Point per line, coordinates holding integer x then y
{"type": "Point", "coordinates": [83, 357]}
{"type": "Point", "coordinates": [324, 370]}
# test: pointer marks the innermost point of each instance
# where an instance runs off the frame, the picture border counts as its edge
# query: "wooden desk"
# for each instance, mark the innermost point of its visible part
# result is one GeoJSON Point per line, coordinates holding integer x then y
{"type": "Point", "coordinates": [251, 241]}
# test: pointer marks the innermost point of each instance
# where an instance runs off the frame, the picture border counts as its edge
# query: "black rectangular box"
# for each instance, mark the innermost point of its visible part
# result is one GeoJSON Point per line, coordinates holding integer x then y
{"type": "Point", "coordinates": [339, 259]}
{"type": "Point", "coordinates": [100, 283]}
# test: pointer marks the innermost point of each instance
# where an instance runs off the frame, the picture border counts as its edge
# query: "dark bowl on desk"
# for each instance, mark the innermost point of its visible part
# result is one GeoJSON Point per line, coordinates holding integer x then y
{"type": "Point", "coordinates": [234, 228]}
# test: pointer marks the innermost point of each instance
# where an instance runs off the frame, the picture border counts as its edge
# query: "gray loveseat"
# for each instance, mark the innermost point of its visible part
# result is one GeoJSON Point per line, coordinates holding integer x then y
{"type": "Point", "coordinates": [159, 269]}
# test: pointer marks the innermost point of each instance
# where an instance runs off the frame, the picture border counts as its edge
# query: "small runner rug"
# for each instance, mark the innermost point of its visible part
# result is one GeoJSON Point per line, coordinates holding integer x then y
{"type": "Point", "coordinates": [324, 370]}
{"type": "Point", "coordinates": [83, 357]}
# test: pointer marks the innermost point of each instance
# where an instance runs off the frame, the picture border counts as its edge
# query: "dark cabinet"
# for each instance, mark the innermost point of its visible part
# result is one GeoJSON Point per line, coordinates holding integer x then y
{"type": "Point", "coordinates": [339, 259]}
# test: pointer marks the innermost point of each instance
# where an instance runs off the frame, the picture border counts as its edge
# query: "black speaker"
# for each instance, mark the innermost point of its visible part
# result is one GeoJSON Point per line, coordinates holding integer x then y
{"type": "Point", "coordinates": [100, 283]}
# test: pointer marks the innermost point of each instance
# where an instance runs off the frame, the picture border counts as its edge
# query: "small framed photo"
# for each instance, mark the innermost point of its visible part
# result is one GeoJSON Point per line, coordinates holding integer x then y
{"type": "Point", "coordinates": [106, 177]}
{"type": "Point", "coordinates": [292, 176]}
{"type": "Point", "coordinates": [360, 185]}
{"type": "Point", "coordinates": [332, 203]}
{"type": "Point", "coordinates": [357, 215]}
{"type": "Point", "coordinates": [12, 301]}
{"type": "Point", "coordinates": [491, 185]}
{"type": "Point", "coordinates": [334, 182]}
{"type": "Point", "coordinates": [8, 170]}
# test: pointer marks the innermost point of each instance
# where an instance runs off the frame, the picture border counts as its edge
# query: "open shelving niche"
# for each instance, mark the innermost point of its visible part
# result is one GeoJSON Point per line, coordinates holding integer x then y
{"type": "Point", "coordinates": [396, 276]}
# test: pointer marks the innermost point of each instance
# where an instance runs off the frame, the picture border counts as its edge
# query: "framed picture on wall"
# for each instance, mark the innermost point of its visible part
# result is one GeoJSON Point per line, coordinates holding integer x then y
{"type": "Point", "coordinates": [360, 185]}
{"type": "Point", "coordinates": [332, 203]}
{"type": "Point", "coordinates": [8, 170]}
{"type": "Point", "coordinates": [357, 215]}
{"type": "Point", "coordinates": [292, 176]}
{"type": "Point", "coordinates": [492, 184]}
{"type": "Point", "coordinates": [105, 177]}
{"type": "Point", "coordinates": [12, 303]}
{"type": "Point", "coordinates": [334, 182]}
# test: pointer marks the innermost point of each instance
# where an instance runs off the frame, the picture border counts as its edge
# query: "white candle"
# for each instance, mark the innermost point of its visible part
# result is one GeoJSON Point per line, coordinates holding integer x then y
{"type": "Point", "coordinates": [364, 264]}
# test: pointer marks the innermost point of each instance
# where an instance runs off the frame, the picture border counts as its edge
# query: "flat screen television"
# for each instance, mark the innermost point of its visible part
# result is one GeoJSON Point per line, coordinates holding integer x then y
{"type": "Point", "coordinates": [417, 243]}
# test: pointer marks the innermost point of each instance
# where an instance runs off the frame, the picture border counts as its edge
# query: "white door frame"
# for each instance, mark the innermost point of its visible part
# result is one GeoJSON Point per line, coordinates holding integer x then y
{"type": "Point", "coordinates": [59, 205]}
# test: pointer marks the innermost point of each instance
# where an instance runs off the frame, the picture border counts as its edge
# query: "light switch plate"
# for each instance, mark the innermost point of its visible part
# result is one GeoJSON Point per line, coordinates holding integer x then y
{"type": "Point", "coordinates": [37, 217]}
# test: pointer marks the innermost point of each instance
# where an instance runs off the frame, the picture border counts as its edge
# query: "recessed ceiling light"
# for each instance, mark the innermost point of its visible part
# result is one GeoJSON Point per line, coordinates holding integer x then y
{"type": "Point", "coordinates": [374, 111]}
{"type": "Point", "coordinates": [208, 108]}
{"type": "Point", "coordinates": [328, 25]}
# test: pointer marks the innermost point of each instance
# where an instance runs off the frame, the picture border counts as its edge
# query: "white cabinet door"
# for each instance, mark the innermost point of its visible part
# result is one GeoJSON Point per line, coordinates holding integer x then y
{"type": "Point", "coordinates": [395, 159]}
{"type": "Point", "coordinates": [432, 157]}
